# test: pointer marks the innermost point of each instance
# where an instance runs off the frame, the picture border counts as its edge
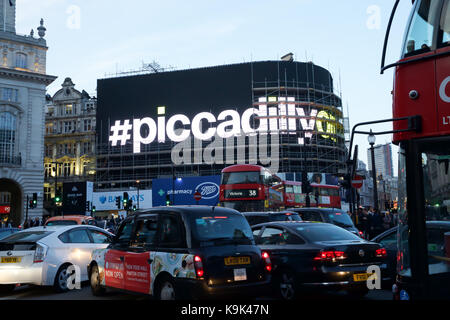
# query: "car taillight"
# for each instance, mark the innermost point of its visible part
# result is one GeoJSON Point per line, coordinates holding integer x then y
{"type": "Point", "coordinates": [330, 256]}
{"type": "Point", "coordinates": [198, 266]}
{"type": "Point", "coordinates": [267, 262]}
{"type": "Point", "coordinates": [381, 253]}
{"type": "Point", "coordinates": [40, 253]}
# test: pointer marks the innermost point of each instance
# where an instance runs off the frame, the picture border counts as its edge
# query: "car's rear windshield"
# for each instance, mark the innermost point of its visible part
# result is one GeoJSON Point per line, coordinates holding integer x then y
{"type": "Point", "coordinates": [324, 232]}
{"type": "Point", "coordinates": [61, 223]}
{"type": "Point", "coordinates": [221, 228]}
{"type": "Point", "coordinates": [26, 236]}
{"type": "Point", "coordinates": [285, 217]}
{"type": "Point", "coordinates": [340, 218]}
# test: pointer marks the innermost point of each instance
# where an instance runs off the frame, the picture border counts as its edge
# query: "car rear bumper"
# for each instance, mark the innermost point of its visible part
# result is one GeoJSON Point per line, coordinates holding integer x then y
{"type": "Point", "coordinates": [200, 289]}
{"type": "Point", "coordinates": [342, 277]}
{"type": "Point", "coordinates": [27, 275]}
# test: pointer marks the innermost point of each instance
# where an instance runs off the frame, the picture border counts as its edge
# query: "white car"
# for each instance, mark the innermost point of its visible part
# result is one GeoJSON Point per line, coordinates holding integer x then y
{"type": "Point", "coordinates": [42, 255]}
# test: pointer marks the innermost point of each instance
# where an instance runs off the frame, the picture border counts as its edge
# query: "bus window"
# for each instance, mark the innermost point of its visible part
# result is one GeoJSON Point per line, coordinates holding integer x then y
{"type": "Point", "coordinates": [444, 37]}
{"type": "Point", "coordinates": [419, 37]}
{"type": "Point", "coordinates": [251, 177]}
{"type": "Point", "coordinates": [289, 189]}
{"type": "Point", "coordinates": [436, 178]}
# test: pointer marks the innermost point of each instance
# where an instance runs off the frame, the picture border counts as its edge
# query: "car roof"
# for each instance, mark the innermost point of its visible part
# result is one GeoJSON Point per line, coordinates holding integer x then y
{"type": "Point", "coordinates": [431, 223]}
{"type": "Point", "coordinates": [440, 223]}
{"type": "Point", "coordinates": [325, 210]}
{"type": "Point", "coordinates": [57, 228]}
{"type": "Point", "coordinates": [187, 209]}
{"type": "Point", "coordinates": [289, 224]}
{"type": "Point", "coordinates": [267, 213]}
{"type": "Point", "coordinates": [70, 217]}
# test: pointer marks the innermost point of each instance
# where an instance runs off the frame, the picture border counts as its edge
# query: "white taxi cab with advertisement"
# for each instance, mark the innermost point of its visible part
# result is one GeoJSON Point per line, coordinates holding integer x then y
{"type": "Point", "coordinates": [182, 252]}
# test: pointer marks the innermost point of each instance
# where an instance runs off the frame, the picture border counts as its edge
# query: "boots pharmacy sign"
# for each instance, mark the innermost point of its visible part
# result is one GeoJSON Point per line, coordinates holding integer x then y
{"type": "Point", "coordinates": [274, 115]}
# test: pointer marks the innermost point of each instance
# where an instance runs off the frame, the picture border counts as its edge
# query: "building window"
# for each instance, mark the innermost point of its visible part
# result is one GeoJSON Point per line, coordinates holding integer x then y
{"type": "Point", "coordinates": [66, 169]}
{"type": "Point", "coordinates": [68, 109]}
{"type": "Point", "coordinates": [47, 193]}
{"type": "Point", "coordinates": [9, 94]}
{"type": "Point", "coordinates": [86, 147]}
{"type": "Point", "coordinates": [67, 126]}
{"type": "Point", "coordinates": [87, 125]}
{"type": "Point", "coordinates": [21, 61]}
{"type": "Point", "coordinates": [49, 128]}
{"type": "Point", "coordinates": [7, 137]}
{"type": "Point", "coordinates": [48, 168]}
{"type": "Point", "coordinates": [48, 150]}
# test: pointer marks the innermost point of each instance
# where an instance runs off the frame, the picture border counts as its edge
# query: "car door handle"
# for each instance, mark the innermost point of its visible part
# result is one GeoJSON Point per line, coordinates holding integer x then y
{"type": "Point", "coordinates": [122, 259]}
{"type": "Point", "coordinates": [150, 261]}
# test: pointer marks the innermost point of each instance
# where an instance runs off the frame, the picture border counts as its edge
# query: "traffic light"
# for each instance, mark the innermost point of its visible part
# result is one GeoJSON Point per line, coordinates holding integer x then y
{"type": "Point", "coordinates": [93, 210]}
{"type": "Point", "coordinates": [88, 205]}
{"type": "Point", "coordinates": [167, 200]}
{"type": "Point", "coordinates": [118, 202]}
{"type": "Point", "coordinates": [134, 208]}
{"type": "Point", "coordinates": [58, 197]}
{"type": "Point", "coordinates": [125, 200]}
{"type": "Point", "coordinates": [130, 204]}
{"type": "Point", "coordinates": [34, 200]}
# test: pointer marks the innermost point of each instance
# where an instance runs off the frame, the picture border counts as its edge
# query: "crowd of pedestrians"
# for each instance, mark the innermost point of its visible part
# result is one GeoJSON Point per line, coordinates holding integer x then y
{"type": "Point", "coordinates": [372, 222]}
{"type": "Point", "coordinates": [36, 222]}
{"type": "Point", "coordinates": [111, 224]}
{"type": "Point", "coordinates": [5, 223]}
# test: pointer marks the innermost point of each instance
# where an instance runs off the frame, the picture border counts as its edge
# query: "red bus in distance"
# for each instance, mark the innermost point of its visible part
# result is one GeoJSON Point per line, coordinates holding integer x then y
{"type": "Point", "coordinates": [328, 195]}
{"type": "Point", "coordinates": [252, 188]}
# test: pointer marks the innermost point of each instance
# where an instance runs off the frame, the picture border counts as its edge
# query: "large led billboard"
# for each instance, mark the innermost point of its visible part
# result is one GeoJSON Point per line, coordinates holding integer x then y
{"type": "Point", "coordinates": [198, 121]}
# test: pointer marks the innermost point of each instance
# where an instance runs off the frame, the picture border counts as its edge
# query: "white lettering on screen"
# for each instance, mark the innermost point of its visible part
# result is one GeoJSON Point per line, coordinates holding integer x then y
{"type": "Point", "coordinates": [270, 120]}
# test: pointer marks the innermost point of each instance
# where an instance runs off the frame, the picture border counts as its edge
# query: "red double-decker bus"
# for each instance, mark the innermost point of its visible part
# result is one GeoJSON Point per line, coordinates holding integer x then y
{"type": "Point", "coordinates": [325, 196]}
{"type": "Point", "coordinates": [421, 95]}
{"type": "Point", "coordinates": [251, 188]}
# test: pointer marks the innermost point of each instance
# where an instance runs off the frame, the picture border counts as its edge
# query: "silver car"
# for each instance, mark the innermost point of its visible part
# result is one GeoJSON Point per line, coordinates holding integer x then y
{"type": "Point", "coordinates": [49, 256]}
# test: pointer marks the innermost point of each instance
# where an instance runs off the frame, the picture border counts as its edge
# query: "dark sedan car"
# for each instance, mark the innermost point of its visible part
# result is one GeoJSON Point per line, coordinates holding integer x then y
{"type": "Point", "coordinates": [329, 215]}
{"type": "Point", "coordinates": [388, 239]}
{"type": "Point", "coordinates": [263, 217]}
{"type": "Point", "coordinates": [322, 256]}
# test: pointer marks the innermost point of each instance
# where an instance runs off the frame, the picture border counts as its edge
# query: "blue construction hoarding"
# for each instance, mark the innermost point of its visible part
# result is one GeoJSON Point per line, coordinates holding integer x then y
{"type": "Point", "coordinates": [181, 190]}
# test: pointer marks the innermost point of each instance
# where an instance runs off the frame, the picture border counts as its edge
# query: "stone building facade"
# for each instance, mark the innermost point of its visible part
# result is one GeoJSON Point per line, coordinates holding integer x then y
{"type": "Point", "coordinates": [23, 82]}
{"type": "Point", "coordinates": [69, 151]}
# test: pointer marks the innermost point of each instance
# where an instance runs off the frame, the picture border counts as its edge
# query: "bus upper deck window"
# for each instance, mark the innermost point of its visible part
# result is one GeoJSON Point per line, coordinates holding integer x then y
{"type": "Point", "coordinates": [419, 38]}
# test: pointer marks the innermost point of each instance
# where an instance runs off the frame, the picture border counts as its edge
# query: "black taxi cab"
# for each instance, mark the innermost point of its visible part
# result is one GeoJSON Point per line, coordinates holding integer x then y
{"type": "Point", "coordinates": [182, 252]}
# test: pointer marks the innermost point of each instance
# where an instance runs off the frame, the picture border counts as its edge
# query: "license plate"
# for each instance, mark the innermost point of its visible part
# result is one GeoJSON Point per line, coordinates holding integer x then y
{"type": "Point", "coordinates": [361, 277]}
{"type": "Point", "coordinates": [240, 274]}
{"type": "Point", "coordinates": [11, 259]}
{"type": "Point", "coordinates": [232, 261]}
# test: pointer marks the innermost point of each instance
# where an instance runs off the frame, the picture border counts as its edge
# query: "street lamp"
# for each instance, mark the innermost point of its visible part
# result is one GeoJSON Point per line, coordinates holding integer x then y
{"type": "Point", "coordinates": [137, 185]}
{"type": "Point", "coordinates": [372, 140]}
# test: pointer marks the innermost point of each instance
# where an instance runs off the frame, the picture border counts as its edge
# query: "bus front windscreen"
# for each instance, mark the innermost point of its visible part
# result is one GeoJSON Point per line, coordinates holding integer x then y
{"type": "Point", "coordinates": [251, 177]}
